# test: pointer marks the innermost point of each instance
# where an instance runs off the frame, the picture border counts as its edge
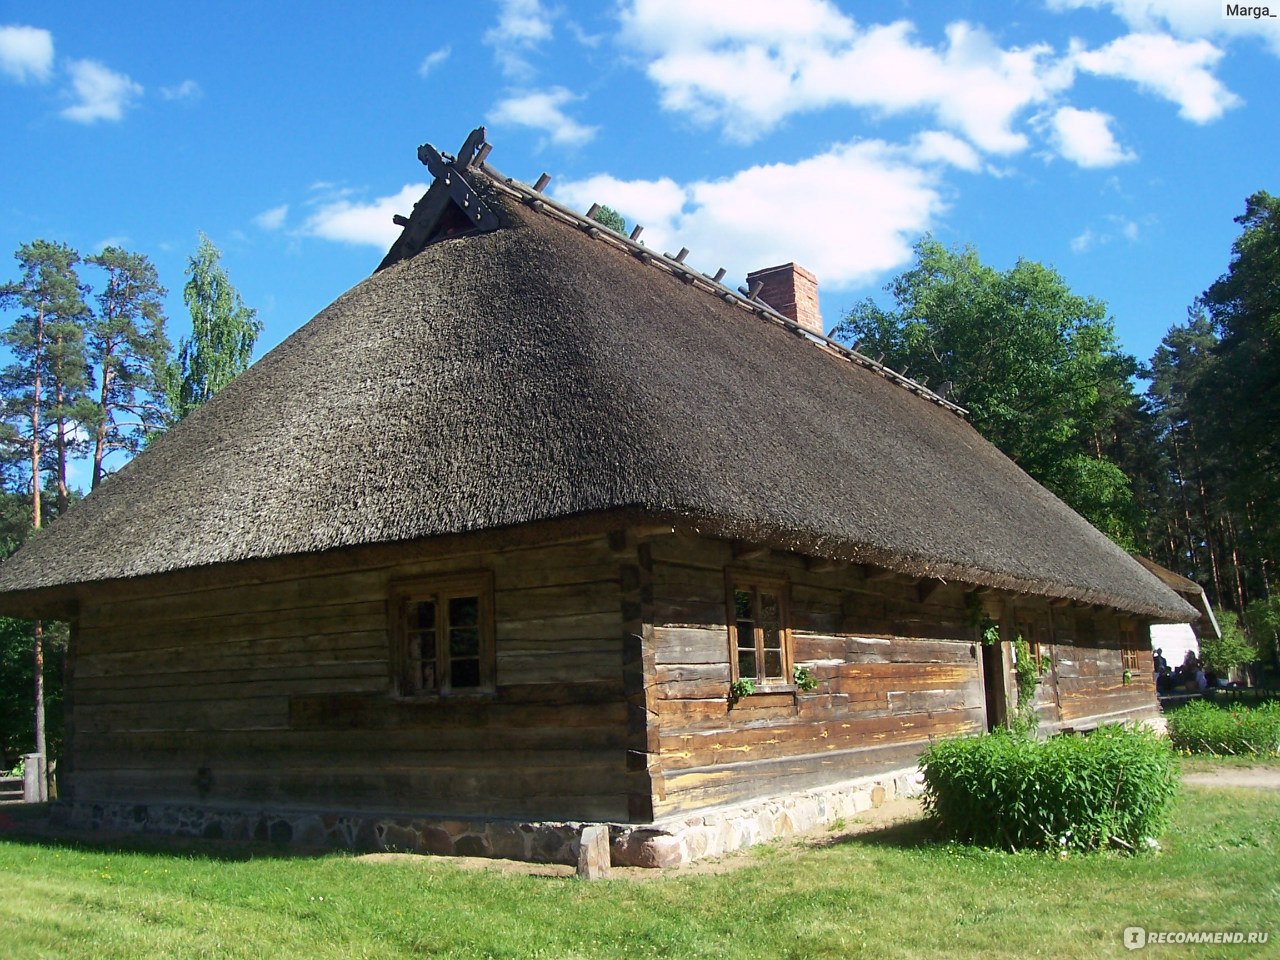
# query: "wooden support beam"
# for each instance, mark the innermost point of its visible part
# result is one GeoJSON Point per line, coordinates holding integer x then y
{"type": "Point", "coordinates": [474, 141]}
{"type": "Point", "coordinates": [822, 565]}
{"type": "Point", "coordinates": [652, 530]}
{"type": "Point", "coordinates": [719, 275]}
{"type": "Point", "coordinates": [926, 588]}
{"type": "Point", "coordinates": [542, 182]}
{"type": "Point", "coordinates": [636, 231]}
{"type": "Point", "coordinates": [749, 551]}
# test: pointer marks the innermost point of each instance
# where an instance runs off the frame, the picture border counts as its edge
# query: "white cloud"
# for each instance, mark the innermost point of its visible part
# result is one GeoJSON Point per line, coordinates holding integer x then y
{"type": "Point", "coordinates": [186, 90]}
{"type": "Point", "coordinates": [1084, 137]}
{"type": "Point", "coordinates": [522, 26]}
{"type": "Point", "coordinates": [119, 240]}
{"type": "Point", "coordinates": [934, 146]}
{"type": "Point", "coordinates": [272, 219]}
{"type": "Point", "coordinates": [101, 93]}
{"type": "Point", "coordinates": [746, 67]}
{"type": "Point", "coordinates": [1085, 241]}
{"type": "Point", "coordinates": [1184, 18]}
{"type": "Point", "coordinates": [1179, 71]}
{"type": "Point", "coordinates": [543, 110]}
{"type": "Point", "coordinates": [337, 218]}
{"type": "Point", "coordinates": [26, 53]}
{"type": "Point", "coordinates": [433, 60]}
{"type": "Point", "coordinates": [1118, 228]}
{"type": "Point", "coordinates": [777, 213]}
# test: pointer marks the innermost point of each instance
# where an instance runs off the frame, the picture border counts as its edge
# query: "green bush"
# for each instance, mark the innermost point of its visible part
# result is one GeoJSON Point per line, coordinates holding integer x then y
{"type": "Point", "coordinates": [1203, 727]}
{"type": "Point", "coordinates": [1114, 785]}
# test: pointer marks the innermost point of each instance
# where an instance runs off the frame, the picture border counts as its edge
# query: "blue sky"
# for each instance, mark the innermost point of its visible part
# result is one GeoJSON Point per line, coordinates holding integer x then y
{"type": "Point", "coordinates": [1114, 139]}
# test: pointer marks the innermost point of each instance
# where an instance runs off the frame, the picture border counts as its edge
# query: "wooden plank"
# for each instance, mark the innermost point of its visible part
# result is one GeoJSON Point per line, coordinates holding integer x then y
{"type": "Point", "coordinates": [242, 714]}
{"type": "Point", "coordinates": [350, 745]}
{"type": "Point", "coordinates": [685, 645]}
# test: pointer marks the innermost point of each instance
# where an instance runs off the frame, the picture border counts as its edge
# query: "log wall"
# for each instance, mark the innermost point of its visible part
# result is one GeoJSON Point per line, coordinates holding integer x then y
{"type": "Point", "coordinates": [612, 666]}
{"type": "Point", "coordinates": [893, 671]}
{"type": "Point", "coordinates": [278, 691]}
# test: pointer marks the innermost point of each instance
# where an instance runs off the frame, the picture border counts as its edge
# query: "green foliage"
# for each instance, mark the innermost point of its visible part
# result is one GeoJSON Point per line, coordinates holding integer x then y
{"type": "Point", "coordinates": [41, 389]}
{"type": "Point", "coordinates": [1204, 727]}
{"type": "Point", "coordinates": [1068, 792]}
{"type": "Point", "coordinates": [611, 218]}
{"type": "Point", "coordinates": [17, 718]}
{"type": "Point", "coordinates": [1262, 620]}
{"type": "Point", "coordinates": [1231, 649]}
{"type": "Point", "coordinates": [804, 679]}
{"type": "Point", "coordinates": [223, 332]}
{"type": "Point", "coordinates": [1214, 510]}
{"type": "Point", "coordinates": [1243, 396]}
{"type": "Point", "coordinates": [742, 687]}
{"type": "Point", "coordinates": [1027, 670]}
{"type": "Point", "coordinates": [130, 350]}
{"type": "Point", "coordinates": [1038, 367]}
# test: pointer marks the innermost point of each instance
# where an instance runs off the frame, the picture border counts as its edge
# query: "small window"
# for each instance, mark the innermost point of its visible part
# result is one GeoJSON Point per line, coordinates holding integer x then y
{"type": "Point", "coordinates": [445, 635]}
{"type": "Point", "coordinates": [759, 633]}
{"type": "Point", "coordinates": [1129, 647]}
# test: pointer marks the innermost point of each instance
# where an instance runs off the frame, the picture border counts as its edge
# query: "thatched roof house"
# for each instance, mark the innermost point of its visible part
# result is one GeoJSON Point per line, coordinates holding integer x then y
{"type": "Point", "coordinates": [517, 377]}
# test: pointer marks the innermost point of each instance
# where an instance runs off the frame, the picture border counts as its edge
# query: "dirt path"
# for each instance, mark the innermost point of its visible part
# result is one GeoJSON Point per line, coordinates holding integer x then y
{"type": "Point", "coordinates": [1258, 778]}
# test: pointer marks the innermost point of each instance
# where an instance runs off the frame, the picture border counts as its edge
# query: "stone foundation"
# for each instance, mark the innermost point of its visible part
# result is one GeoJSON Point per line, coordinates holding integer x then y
{"type": "Point", "coordinates": [714, 832]}
{"type": "Point", "coordinates": [664, 843]}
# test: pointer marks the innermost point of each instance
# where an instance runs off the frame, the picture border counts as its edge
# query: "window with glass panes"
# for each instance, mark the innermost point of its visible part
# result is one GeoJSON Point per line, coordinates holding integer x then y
{"type": "Point", "coordinates": [760, 634]}
{"type": "Point", "coordinates": [446, 635]}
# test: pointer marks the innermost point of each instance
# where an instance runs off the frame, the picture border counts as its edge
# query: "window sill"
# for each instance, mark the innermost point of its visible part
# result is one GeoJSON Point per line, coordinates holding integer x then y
{"type": "Point", "coordinates": [783, 695]}
{"type": "Point", "coordinates": [438, 696]}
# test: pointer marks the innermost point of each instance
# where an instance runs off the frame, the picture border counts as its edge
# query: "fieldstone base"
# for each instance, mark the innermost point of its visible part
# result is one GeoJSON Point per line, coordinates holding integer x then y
{"type": "Point", "coordinates": [664, 843]}
{"type": "Point", "coordinates": [720, 830]}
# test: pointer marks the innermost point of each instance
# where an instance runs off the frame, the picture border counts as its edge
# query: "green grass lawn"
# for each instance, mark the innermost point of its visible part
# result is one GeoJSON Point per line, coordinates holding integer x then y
{"type": "Point", "coordinates": [888, 893]}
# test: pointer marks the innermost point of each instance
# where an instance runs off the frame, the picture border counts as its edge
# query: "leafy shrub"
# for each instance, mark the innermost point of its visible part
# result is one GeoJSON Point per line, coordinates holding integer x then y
{"type": "Point", "coordinates": [1203, 727]}
{"type": "Point", "coordinates": [1115, 784]}
{"type": "Point", "coordinates": [1229, 650]}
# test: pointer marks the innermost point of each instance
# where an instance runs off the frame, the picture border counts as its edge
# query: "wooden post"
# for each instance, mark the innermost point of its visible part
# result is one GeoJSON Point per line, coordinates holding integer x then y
{"type": "Point", "coordinates": [35, 781]}
{"type": "Point", "coordinates": [593, 852]}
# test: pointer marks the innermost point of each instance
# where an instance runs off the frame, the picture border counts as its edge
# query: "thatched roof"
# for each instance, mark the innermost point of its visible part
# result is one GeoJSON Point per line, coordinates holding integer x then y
{"type": "Point", "coordinates": [537, 372]}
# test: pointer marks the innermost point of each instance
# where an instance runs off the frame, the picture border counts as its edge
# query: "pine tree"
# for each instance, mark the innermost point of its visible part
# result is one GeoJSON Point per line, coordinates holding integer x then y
{"type": "Point", "coordinates": [129, 349]}
{"type": "Point", "coordinates": [49, 299]}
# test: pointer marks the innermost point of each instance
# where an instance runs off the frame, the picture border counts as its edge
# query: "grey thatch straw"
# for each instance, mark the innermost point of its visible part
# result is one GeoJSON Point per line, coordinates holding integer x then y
{"type": "Point", "coordinates": [533, 373]}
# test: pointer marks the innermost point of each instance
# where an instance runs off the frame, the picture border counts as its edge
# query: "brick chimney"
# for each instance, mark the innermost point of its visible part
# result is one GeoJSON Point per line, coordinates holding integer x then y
{"type": "Point", "coordinates": [792, 291]}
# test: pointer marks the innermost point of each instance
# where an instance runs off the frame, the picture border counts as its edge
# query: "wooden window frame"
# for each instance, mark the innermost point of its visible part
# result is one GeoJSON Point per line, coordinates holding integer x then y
{"type": "Point", "coordinates": [768, 583]}
{"type": "Point", "coordinates": [1130, 652]}
{"type": "Point", "coordinates": [403, 595]}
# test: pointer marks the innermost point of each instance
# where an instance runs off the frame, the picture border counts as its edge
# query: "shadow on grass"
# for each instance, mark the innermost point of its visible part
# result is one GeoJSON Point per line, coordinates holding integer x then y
{"type": "Point", "coordinates": [28, 824]}
{"type": "Point", "coordinates": [907, 835]}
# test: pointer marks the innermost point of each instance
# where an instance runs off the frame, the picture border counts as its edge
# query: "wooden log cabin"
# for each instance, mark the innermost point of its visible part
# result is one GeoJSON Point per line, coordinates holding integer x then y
{"type": "Point", "coordinates": [538, 527]}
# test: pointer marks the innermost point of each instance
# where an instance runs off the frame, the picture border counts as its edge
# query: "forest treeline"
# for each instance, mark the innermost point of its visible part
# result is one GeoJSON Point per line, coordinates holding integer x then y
{"type": "Point", "coordinates": [1177, 458]}
{"type": "Point", "coordinates": [92, 377]}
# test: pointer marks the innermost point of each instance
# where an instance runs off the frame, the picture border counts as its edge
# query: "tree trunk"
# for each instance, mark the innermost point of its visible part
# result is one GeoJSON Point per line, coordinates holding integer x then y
{"type": "Point", "coordinates": [1186, 506]}
{"type": "Point", "coordinates": [100, 435]}
{"type": "Point", "coordinates": [60, 438]}
{"type": "Point", "coordinates": [37, 629]}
